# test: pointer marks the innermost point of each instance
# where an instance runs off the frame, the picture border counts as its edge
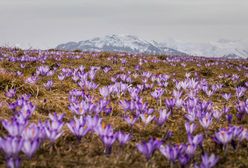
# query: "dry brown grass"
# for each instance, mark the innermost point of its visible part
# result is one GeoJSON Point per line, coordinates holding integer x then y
{"type": "Point", "coordinates": [68, 152]}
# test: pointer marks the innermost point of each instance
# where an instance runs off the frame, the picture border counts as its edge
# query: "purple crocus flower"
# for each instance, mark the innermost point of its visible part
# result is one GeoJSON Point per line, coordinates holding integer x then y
{"type": "Point", "coordinates": [106, 69]}
{"type": "Point", "coordinates": [217, 114]}
{"type": "Point", "coordinates": [123, 61]}
{"type": "Point", "coordinates": [157, 93]}
{"type": "Point", "coordinates": [241, 107]}
{"type": "Point", "coordinates": [209, 161]}
{"type": "Point", "coordinates": [209, 93]}
{"type": "Point", "coordinates": [102, 130]}
{"type": "Point", "coordinates": [22, 66]}
{"type": "Point", "coordinates": [82, 107]}
{"type": "Point", "coordinates": [123, 138]}
{"type": "Point", "coordinates": [11, 146]}
{"type": "Point", "coordinates": [50, 73]}
{"type": "Point", "coordinates": [108, 141]}
{"type": "Point", "coordinates": [187, 74]}
{"type": "Point", "coordinates": [177, 94]}
{"type": "Point", "coordinates": [10, 93]}
{"type": "Point", "coordinates": [170, 152]}
{"type": "Point", "coordinates": [146, 119]}
{"type": "Point", "coordinates": [31, 132]}
{"type": "Point", "coordinates": [170, 103]}
{"type": "Point", "coordinates": [30, 146]}
{"type": "Point", "coordinates": [42, 130]}
{"type": "Point", "coordinates": [31, 80]}
{"type": "Point", "coordinates": [223, 137]}
{"type": "Point", "coordinates": [130, 121]}
{"type": "Point", "coordinates": [150, 111]}
{"type": "Point", "coordinates": [236, 131]}
{"type": "Point", "coordinates": [229, 118]}
{"type": "Point", "coordinates": [104, 91]}
{"type": "Point", "coordinates": [191, 116]}
{"type": "Point", "coordinates": [61, 77]}
{"type": "Point", "coordinates": [48, 85]}
{"type": "Point", "coordinates": [107, 136]}
{"type": "Point", "coordinates": [19, 118]}
{"type": "Point", "coordinates": [52, 134]}
{"type": "Point", "coordinates": [243, 135]}
{"type": "Point", "coordinates": [93, 122]}
{"type": "Point", "coordinates": [190, 128]}
{"type": "Point", "coordinates": [148, 148]}
{"type": "Point", "coordinates": [227, 96]}
{"type": "Point", "coordinates": [13, 127]}
{"type": "Point", "coordinates": [26, 109]}
{"type": "Point", "coordinates": [56, 117]}
{"type": "Point", "coordinates": [13, 162]}
{"type": "Point", "coordinates": [206, 121]}
{"type": "Point", "coordinates": [78, 127]}
{"type": "Point", "coordinates": [31, 139]}
{"type": "Point", "coordinates": [42, 70]}
{"type": "Point", "coordinates": [125, 105]}
{"type": "Point", "coordinates": [91, 85]}
{"type": "Point", "coordinates": [163, 117]}
{"type": "Point", "coordinates": [196, 140]}
{"type": "Point", "coordinates": [183, 159]}
{"type": "Point", "coordinates": [190, 149]}
{"type": "Point", "coordinates": [240, 91]}
{"type": "Point", "coordinates": [53, 128]}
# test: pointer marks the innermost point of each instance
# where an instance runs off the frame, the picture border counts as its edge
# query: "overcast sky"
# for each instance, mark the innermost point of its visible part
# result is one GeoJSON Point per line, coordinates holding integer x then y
{"type": "Point", "coordinates": [46, 23]}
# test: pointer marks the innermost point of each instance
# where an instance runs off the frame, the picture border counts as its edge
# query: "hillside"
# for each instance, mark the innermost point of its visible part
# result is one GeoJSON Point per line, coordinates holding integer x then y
{"type": "Point", "coordinates": [121, 110]}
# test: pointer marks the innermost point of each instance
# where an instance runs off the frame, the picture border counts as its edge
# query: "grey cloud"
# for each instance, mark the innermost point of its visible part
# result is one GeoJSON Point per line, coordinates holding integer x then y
{"type": "Point", "coordinates": [45, 23]}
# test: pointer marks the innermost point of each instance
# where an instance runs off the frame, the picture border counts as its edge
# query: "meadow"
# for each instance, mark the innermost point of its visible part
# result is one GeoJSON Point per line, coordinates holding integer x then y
{"type": "Point", "coordinates": [89, 109]}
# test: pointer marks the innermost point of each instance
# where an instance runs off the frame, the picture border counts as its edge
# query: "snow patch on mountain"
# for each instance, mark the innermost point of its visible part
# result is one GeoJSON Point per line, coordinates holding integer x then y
{"type": "Point", "coordinates": [119, 43]}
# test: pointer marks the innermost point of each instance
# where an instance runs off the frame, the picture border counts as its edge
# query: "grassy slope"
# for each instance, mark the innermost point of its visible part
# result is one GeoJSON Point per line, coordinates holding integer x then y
{"type": "Point", "coordinates": [68, 152]}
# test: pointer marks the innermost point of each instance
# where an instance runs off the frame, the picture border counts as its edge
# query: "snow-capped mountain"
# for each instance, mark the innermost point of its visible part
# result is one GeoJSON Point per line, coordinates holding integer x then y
{"type": "Point", "coordinates": [220, 48]}
{"type": "Point", "coordinates": [119, 43]}
{"type": "Point", "coordinates": [133, 44]}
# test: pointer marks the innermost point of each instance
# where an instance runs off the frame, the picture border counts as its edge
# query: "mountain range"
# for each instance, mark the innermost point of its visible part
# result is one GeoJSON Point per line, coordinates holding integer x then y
{"type": "Point", "coordinates": [220, 48]}
{"type": "Point", "coordinates": [134, 44]}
